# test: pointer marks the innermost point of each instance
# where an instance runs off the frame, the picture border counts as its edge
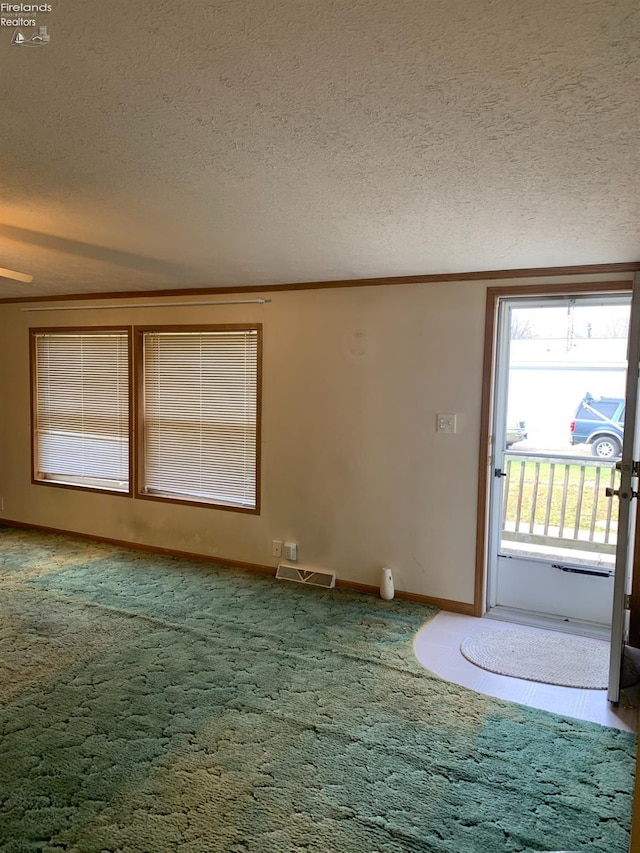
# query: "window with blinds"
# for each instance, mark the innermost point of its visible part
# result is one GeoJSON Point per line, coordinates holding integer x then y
{"type": "Point", "coordinates": [200, 416]}
{"type": "Point", "coordinates": [81, 408]}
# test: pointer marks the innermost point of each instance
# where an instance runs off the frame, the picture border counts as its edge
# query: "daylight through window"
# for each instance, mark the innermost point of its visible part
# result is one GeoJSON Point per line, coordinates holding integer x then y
{"type": "Point", "coordinates": [199, 430]}
{"type": "Point", "coordinates": [81, 408]}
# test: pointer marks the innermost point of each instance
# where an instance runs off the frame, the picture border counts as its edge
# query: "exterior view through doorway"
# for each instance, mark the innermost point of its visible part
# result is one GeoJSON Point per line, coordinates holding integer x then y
{"type": "Point", "coordinates": [557, 429]}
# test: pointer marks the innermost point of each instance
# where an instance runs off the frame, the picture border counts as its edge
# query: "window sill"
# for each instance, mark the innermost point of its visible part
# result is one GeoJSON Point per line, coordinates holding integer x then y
{"type": "Point", "coordinates": [204, 503]}
{"type": "Point", "coordinates": [105, 490]}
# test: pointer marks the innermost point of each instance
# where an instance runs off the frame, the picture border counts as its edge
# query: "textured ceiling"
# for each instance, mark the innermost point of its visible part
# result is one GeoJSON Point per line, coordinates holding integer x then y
{"type": "Point", "coordinates": [200, 143]}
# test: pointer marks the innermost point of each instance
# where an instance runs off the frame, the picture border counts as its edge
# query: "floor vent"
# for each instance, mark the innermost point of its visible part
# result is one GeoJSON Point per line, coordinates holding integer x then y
{"type": "Point", "coordinates": [314, 578]}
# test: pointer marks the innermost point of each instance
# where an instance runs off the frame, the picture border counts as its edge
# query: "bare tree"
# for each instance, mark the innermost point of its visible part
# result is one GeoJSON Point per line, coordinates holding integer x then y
{"type": "Point", "coordinates": [617, 327]}
{"type": "Point", "coordinates": [521, 329]}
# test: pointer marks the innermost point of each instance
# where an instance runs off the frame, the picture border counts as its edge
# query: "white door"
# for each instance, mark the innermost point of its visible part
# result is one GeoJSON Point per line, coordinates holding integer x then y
{"type": "Point", "coordinates": [552, 542]}
{"type": "Point", "coordinates": [624, 496]}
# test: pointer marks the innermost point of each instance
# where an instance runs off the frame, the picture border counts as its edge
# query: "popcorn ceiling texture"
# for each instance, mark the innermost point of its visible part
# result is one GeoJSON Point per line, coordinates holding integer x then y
{"type": "Point", "coordinates": [266, 142]}
{"type": "Point", "coordinates": [156, 704]}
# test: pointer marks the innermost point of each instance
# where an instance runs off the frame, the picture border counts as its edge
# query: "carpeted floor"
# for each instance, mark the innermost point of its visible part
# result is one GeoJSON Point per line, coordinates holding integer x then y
{"type": "Point", "coordinates": [154, 704]}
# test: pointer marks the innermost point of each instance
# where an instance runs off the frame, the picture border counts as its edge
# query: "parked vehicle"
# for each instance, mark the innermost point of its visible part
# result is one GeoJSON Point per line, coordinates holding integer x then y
{"type": "Point", "coordinates": [599, 421]}
{"type": "Point", "coordinates": [516, 431]}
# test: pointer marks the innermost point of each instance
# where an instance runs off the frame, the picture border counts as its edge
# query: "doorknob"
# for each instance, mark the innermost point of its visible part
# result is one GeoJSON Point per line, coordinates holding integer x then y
{"type": "Point", "coordinates": [498, 473]}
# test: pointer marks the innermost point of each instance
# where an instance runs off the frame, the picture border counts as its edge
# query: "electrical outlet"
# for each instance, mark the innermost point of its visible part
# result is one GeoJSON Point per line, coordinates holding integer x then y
{"type": "Point", "coordinates": [291, 551]}
{"type": "Point", "coordinates": [1, 504]}
{"type": "Point", "coordinates": [276, 548]}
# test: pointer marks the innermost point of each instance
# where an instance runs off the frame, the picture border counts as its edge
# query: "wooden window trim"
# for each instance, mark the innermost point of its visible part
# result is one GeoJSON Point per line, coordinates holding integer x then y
{"type": "Point", "coordinates": [61, 330]}
{"type": "Point", "coordinates": [138, 385]}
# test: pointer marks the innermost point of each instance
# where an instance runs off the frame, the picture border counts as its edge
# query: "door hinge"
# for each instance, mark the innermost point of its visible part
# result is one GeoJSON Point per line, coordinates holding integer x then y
{"type": "Point", "coordinates": [627, 602]}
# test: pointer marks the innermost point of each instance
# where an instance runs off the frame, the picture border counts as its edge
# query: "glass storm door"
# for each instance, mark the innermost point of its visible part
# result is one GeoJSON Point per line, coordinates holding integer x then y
{"type": "Point", "coordinates": [561, 367]}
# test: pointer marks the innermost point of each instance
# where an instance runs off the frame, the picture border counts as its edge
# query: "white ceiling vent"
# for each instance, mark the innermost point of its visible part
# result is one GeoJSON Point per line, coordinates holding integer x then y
{"type": "Point", "coordinates": [314, 578]}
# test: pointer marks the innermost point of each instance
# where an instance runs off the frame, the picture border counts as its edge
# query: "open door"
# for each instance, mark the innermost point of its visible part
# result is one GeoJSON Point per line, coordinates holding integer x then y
{"type": "Point", "coordinates": [552, 536]}
{"type": "Point", "coordinates": [625, 494]}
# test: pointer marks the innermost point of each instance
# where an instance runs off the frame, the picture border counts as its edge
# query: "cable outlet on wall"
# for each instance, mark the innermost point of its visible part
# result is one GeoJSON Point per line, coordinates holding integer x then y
{"type": "Point", "coordinates": [276, 548]}
{"type": "Point", "coordinates": [291, 551]}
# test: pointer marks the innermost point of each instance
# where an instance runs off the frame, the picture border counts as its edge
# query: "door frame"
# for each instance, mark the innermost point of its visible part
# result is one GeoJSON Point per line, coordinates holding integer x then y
{"type": "Point", "coordinates": [494, 294]}
{"type": "Point", "coordinates": [522, 581]}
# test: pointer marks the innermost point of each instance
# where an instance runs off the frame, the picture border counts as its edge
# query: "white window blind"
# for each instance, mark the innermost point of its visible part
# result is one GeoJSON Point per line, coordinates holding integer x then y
{"type": "Point", "coordinates": [200, 416]}
{"type": "Point", "coordinates": [81, 407]}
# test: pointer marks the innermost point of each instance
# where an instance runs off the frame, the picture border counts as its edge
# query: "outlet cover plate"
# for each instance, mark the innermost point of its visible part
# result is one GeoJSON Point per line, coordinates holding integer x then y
{"type": "Point", "coordinates": [446, 422]}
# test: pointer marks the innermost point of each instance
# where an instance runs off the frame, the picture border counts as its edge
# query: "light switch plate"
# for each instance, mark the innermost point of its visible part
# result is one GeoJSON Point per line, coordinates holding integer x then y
{"type": "Point", "coordinates": [446, 422]}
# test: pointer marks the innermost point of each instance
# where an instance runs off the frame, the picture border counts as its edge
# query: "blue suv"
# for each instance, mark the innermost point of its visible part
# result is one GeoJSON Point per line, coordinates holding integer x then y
{"type": "Point", "coordinates": [599, 421]}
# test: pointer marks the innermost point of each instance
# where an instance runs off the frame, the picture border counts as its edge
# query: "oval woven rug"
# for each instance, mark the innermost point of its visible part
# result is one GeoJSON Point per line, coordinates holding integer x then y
{"type": "Point", "coordinates": [550, 658]}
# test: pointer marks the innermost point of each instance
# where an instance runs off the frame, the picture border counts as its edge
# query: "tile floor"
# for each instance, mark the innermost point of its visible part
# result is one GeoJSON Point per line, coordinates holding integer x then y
{"type": "Point", "coordinates": [437, 647]}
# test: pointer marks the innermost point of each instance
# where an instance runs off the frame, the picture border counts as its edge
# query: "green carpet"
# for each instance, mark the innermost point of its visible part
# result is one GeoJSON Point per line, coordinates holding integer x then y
{"type": "Point", "coordinates": [155, 704]}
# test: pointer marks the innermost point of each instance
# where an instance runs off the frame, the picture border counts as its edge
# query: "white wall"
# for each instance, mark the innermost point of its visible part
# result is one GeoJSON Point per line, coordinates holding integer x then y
{"type": "Point", "coordinates": [352, 467]}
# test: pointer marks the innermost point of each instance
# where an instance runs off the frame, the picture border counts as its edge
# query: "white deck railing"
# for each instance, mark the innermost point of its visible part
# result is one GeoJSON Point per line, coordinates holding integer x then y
{"type": "Point", "coordinates": [558, 500]}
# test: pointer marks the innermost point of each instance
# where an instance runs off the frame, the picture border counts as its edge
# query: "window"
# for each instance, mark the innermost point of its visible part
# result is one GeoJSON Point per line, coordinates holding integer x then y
{"type": "Point", "coordinates": [80, 384]}
{"type": "Point", "coordinates": [197, 403]}
{"type": "Point", "coordinates": [607, 408]}
{"type": "Point", "coordinates": [199, 415]}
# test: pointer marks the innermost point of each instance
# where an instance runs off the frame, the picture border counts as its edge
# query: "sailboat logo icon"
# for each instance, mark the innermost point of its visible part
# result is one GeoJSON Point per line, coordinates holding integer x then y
{"type": "Point", "coordinates": [42, 37]}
